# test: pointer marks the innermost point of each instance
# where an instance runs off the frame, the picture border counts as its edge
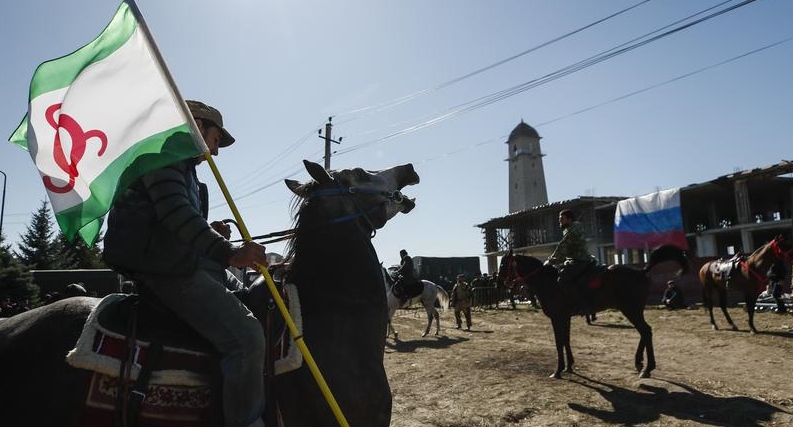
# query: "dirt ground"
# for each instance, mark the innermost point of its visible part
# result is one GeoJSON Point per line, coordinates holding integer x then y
{"type": "Point", "coordinates": [497, 374]}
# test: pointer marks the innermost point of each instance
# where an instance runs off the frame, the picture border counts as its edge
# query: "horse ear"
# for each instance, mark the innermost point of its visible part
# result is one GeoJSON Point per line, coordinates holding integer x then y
{"type": "Point", "coordinates": [317, 172]}
{"type": "Point", "coordinates": [296, 187]}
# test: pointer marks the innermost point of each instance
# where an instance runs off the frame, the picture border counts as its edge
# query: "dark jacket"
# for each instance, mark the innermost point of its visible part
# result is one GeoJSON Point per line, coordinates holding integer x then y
{"type": "Point", "coordinates": [406, 268]}
{"type": "Point", "coordinates": [156, 226]}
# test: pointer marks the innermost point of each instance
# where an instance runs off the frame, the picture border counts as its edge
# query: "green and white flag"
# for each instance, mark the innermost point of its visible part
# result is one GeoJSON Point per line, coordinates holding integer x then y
{"type": "Point", "coordinates": [98, 119]}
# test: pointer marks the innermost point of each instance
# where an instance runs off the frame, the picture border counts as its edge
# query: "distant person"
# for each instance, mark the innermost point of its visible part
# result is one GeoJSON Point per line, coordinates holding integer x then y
{"type": "Point", "coordinates": [462, 299]}
{"type": "Point", "coordinates": [776, 275]}
{"type": "Point", "coordinates": [407, 285]}
{"type": "Point", "coordinates": [673, 296]}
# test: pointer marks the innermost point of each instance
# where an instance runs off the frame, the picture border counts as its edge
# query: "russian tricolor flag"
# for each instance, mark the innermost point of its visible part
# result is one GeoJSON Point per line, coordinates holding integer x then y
{"type": "Point", "coordinates": [649, 221]}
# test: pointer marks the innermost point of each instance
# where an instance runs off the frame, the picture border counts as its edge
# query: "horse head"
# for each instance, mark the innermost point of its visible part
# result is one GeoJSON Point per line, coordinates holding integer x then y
{"type": "Point", "coordinates": [369, 197]}
{"type": "Point", "coordinates": [781, 247]}
{"type": "Point", "coordinates": [518, 268]}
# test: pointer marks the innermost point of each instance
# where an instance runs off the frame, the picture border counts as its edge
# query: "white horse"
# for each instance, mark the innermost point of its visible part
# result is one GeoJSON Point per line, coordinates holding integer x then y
{"type": "Point", "coordinates": [427, 297]}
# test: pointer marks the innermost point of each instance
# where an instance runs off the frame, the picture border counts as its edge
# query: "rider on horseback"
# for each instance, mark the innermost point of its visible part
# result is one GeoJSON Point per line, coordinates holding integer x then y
{"type": "Point", "coordinates": [157, 235]}
{"type": "Point", "coordinates": [407, 284]}
{"type": "Point", "coordinates": [573, 261]}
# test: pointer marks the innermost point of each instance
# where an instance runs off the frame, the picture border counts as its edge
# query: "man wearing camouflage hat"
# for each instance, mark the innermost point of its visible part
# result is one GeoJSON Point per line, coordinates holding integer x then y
{"type": "Point", "coordinates": [158, 235]}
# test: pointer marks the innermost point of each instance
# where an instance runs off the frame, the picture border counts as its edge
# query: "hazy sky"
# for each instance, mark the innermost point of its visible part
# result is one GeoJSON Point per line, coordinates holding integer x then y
{"type": "Point", "coordinates": [440, 84]}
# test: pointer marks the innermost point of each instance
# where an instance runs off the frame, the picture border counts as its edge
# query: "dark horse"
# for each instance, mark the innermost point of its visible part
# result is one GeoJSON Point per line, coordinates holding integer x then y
{"type": "Point", "coordinates": [621, 287]}
{"type": "Point", "coordinates": [747, 274]}
{"type": "Point", "coordinates": [344, 315]}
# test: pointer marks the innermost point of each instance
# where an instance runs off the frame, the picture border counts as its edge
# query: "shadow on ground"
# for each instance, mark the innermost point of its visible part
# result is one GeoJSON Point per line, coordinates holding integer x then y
{"type": "Point", "coordinates": [411, 346]}
{"type": "Point", "coordinates": [676, 400]}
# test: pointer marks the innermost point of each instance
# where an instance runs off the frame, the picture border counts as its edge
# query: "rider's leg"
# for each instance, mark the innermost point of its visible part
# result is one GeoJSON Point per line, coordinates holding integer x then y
{"type": "Point", "coordinates": [203, 302]}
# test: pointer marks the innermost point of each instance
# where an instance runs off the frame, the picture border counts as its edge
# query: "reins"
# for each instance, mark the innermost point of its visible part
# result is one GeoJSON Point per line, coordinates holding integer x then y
{"type": "Point", "coordinates": [278, 236]}
{"type": "Point", "coordinates": [778, 252]}
{"type": "Point", "coordinates": [513, 274]}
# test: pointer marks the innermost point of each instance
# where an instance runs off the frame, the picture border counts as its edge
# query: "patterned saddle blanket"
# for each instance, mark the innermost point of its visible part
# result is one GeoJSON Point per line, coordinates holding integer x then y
{"type": "Point", "coordinates": [182, 388]}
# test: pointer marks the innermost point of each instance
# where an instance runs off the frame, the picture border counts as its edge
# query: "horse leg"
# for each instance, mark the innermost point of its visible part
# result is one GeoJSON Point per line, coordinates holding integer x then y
{"type": "Point", "coordinates": [723, 304]}
{"type": "Point", "coordinates": [561, 334]}
{"type": "Point", "coordinates": [645, 345]}
{"type": "Point", "coordinates": [568, 350]}
{"type": "Point", "coordinates": [707, 299]}
{"type": "Point", "coordinates": [751, 300]}
{"type": "Point", "coordinates": [390, 327]}
{"type": "Point", "coordinates": [429, 309]}
{"type": "Point", "coordinates": [437, 317]}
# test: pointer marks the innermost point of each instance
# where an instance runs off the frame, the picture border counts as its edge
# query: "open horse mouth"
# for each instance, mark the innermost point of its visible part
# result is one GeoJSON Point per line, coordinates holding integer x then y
{"type": "Point", "coordinates": [406, 176]}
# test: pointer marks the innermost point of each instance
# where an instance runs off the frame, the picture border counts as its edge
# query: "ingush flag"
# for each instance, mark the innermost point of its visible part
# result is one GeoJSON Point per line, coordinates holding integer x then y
{"type": "Point", "coordinates": [98, 119]}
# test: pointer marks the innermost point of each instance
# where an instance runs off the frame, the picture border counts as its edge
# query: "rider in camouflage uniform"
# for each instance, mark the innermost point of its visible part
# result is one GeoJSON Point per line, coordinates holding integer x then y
{"type": "Point", "coordinates": [572, 259]}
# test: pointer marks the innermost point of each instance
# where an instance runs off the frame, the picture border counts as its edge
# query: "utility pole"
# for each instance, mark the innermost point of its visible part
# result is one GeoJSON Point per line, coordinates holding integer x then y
{"type": "Point", "coordinates": [328, 140]}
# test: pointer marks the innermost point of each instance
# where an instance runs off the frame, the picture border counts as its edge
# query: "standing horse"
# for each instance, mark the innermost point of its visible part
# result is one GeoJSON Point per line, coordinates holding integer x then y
{"type": "Point", "coordinates": [338, 279]}
{"type": "Point", "coordinates": [747, 274]}
{"type": "Point", "coordinates": [427, 297]}
{"type": "Point", "coordinates": [621, 287]}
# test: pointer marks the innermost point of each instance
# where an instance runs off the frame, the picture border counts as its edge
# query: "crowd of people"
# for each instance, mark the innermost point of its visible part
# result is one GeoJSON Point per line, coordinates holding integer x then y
{"type": "Point", "coordinates": [10, 308]}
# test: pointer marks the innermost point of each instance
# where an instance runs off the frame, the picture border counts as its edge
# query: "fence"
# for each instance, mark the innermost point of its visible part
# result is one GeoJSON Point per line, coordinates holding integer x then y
{"type": "Point", "coordinates": [489, 296]}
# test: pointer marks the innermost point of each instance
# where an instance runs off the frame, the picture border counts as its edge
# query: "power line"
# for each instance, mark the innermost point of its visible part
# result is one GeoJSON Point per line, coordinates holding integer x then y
{"type": "Point", "coordinates": [680, 77]}
{"type": "Point", "coordinates": [400, 100]}
{"type": "Point", "coordinates": [503, 94]}
{"type": "Point", "coordinates": [486, 100]}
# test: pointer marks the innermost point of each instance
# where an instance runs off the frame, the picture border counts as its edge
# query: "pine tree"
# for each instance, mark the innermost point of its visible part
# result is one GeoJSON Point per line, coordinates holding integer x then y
{"type": "Point", "coordinates": [16, 282]}
{"type": "Point", "coordinates": [76, 254]}
{"type": "Point", "coordinates": [38, 250]}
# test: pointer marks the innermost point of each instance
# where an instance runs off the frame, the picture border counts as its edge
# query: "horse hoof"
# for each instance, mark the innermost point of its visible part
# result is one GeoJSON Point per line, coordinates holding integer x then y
{"type": "Point", "coordinates": [424, 334]}
{"type": "Point", "coordinates": [556, 375]}
{"type": "Point", "coordinates": [734, 328]}
{"type": "Point", "coordinates": [644, 374]}
{"type": "Point", "coordinates": [715, 328]}
{"type": "Point", "coordinates": [569, 369]}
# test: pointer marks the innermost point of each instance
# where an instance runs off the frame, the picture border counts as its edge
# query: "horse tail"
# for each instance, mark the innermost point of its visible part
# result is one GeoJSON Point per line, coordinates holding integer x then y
{"type": "Point", "coordinates": [665, 253]}
{"type": "Point", "coordinates": [443, 298]}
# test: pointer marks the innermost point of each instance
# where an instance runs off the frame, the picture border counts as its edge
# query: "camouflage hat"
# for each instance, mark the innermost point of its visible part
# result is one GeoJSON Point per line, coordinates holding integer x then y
{"type": "Point", "coordinates": [199, 110]}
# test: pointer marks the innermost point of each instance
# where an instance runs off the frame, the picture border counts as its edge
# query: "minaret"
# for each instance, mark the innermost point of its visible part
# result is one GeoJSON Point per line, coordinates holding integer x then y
{"type": "Point", "coordinates": [526, 174]}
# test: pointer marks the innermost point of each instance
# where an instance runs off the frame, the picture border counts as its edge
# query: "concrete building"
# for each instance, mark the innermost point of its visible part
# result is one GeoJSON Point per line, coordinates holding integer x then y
{"type": "Point", "coordinates": [732, 213]}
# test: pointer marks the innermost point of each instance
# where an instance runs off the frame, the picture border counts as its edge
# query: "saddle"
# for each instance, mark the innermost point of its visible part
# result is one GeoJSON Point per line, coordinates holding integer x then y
{"type": "Point", "coordinates": [722, 269]}
{"type": "Point", "coordinates": [131, 342]}
{"type": "Point", "coordinates": [589, 274]}
{"type": "Point", "coordinates": [406, 288]}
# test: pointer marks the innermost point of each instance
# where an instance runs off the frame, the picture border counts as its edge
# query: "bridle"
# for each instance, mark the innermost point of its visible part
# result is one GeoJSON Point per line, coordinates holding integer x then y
{"type": "Point", "coordinates": [780, 253]}
{"type": "Point", "coordinates": [391, 197]}
{"type": "Point", "coordinates": [513, 275]}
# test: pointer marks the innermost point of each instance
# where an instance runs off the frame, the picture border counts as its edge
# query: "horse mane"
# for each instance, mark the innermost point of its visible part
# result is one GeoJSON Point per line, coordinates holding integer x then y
{"type": "Point", "coordinates": [299, 207]}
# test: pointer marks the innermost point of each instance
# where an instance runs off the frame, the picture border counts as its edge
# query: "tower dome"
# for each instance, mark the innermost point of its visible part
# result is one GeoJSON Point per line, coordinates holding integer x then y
{"type": "Point", "coordinates": [526, 173]}
{"type": "Point", "coordinates": [522, 129]}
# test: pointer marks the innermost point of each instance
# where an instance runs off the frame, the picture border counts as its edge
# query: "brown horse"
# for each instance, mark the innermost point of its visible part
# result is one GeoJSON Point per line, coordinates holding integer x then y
{"type": "Point", "coordinates": [745, 273]}
{"type": "Point", "coordinates": [337, 275]}
{"type": "Point", "coordinates": [618, 286]}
